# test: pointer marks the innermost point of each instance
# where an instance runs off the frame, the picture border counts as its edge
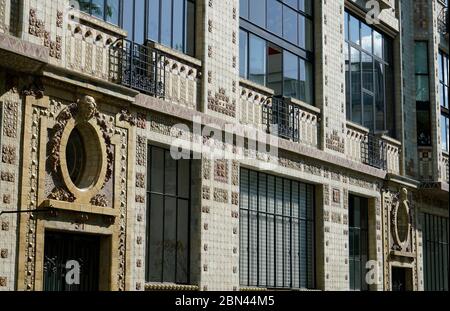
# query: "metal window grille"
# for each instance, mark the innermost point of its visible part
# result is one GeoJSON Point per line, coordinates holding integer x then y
{"type": "Point", "coordinates": [374, 151]}
{"type": "Point", "coordinates": [138, 67]}
{"type": "Point", "coordinates": [282, 118]}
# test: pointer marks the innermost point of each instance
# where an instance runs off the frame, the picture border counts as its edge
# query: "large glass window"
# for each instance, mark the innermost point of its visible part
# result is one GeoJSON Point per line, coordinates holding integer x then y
{"type": "Point", "coordinates": [169, 22]}
{"type": "Point", "coordinates": [369, 77]}
{"type": "Point", "coordinates": [168, 217]}
{"type": "Point", "coordinates": [422, 94]}
{"type": "Point", "coordinates": [107, 10]}
{"type": "Point", "coordinates": [276, 232]}
{"type": "Point", "coordinates": [285, 30]}
{"type": "Point", "coordinates": [358, 242]}
{"type": "Point", "coordinates": [435, 252]}
{"type": "Point", "coordinates": [443, 69]}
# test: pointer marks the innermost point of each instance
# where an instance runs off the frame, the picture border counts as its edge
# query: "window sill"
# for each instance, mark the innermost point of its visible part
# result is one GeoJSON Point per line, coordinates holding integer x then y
{"type": "Point", "coordinates": [445, 153]}
{"type": "Point", "coordinates": [170, 287]}
{"type": "Point", "coordinates": [257, 87]}
{"type": "Point", "coordinates": [304, 105]}
{"type": "Point", "coordinates": [174, 53]}
{"type": "Point", "coordinates": [357, 127]}
{"type": "Point", "coordinates": [97, 22]}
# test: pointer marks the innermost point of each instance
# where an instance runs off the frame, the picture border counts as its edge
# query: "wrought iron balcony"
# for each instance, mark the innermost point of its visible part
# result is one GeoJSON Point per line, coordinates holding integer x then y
{"type": "Point", "coordinates": [374, 151]}
{"type": "Point", "coordinates": [282, 118]}
{"type": "Point", "coordinates": [443, 23]}
{"type": "Point", "coordinates": [138, 67]}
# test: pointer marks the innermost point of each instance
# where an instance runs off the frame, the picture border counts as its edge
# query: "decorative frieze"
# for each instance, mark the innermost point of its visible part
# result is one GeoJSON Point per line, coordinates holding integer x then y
{"type": "Point", "coordinates": [221, 171]}
{"type": "Point", "coordinates": [9, 155]}
{"type": "Point", "coordinates": [99, 200]}
{"type": "Point", "coordinates": [61, 194]}
{"type": "Point", "coordinates": [10, 117]}
{"type": "Point", "coordinates": [220, 195]}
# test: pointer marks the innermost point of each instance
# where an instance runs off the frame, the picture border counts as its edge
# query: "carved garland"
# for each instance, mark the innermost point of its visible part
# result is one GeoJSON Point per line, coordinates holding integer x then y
{"type": "Point", "coordinates": [85, 108]}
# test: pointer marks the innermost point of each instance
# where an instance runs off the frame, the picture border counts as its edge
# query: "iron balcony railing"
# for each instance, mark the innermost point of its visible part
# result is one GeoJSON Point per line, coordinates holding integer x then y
{"type": "Point", "coordinates": [282, 118]}
{"type": "Point", "coordinates": [138, 67]}
{"type": "Point", "coordinates": [443, 23]}
{"type": "Point", "coordinates": [374, 151]}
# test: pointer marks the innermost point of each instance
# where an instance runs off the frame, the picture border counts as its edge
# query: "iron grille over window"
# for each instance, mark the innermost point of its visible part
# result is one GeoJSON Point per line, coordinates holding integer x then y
{"type": "Point", "coordinates": [443, 21]}
{"type": "Point", "coordinates": [138, 67]}
{"type": "Point", "coordinates": [276, 232]}
{"type": "Point", "coordinates": [374, 151]}
{"type": "Point", "coordinates": [282, 118]}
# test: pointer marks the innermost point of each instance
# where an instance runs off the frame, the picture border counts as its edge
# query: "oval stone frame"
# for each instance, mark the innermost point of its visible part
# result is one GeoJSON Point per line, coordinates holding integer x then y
{"type": "Point", "coordinates": [84, 195]}
{"type": "Point", "coordinates": [401, 207]}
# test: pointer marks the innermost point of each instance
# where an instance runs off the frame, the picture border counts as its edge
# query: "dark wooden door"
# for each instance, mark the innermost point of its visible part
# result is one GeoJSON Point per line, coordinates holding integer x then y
{"type": "Point", "coordinates": [83, 255]}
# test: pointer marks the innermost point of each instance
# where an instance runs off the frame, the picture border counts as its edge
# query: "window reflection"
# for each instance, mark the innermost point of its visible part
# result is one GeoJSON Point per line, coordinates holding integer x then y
{"type": "Point", "coordinates": [369, 77]}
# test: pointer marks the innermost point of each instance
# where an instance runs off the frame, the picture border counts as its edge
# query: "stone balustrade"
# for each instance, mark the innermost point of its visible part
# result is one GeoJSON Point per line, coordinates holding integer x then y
{"type": "Point", "coordinates": [254, 101]}
{"type": "Point", "coordinates": [379, 151]}
{"type": "Point", "coordinates": [444, 173]}
{"type": "Point", "coordinates": [87, 46]}
{"type": "Point", "coordinates": [182, 77]}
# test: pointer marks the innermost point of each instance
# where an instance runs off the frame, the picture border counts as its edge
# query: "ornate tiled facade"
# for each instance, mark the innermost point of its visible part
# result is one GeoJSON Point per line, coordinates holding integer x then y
{"type": "Point", "coordinates": [55, 77]}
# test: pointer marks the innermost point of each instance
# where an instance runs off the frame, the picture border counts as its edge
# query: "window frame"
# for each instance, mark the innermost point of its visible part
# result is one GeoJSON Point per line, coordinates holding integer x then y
{"type": "Point", "coordinates": [432, 240]}
{"type": "Point", "coordinates": [105, 17]}
{"type": "Point", "coordinates": [246, 25]}
{"type": "Point", "coordinates": [445, 112]}
{"type": "Point", "coordinates": [375, 58]}
{"type": "Point", "coordinates": [309, 219]}
{"type": "Point", "coordinates": [146, 32]}
{"type": "Point", "coordinates": [149, 192]}
{"type": "Point", "coordinates": [422, 104]}
{"type": "Point", "coordinates": [361, 230]}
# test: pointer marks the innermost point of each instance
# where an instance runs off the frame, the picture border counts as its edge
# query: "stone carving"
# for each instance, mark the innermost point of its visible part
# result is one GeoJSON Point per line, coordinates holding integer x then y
{"type": "Point", "coordinates": [335, 143]}
{"type": "Point", "coordinates": [36, 26]}
{"type": "Point", "coordinates": [99, 200]}
{"type": "Point", "coordinates": [7, 176]}
{"type": "Point", "coordinates": [59, 19]}
{"type": "Point", "coordinates": [206, 169]}
{"type": "Point", "coordinates": [141, 149]}
{"type": "Point", "coordinates": [235, 198]}
{"type": "Point", "coordinates": [7, 199]}
{"type": "Point", "coordinates": [33, 87]}
{"type": "Point", "coordinates": [336, 196]}
{"type": "Point", "coordinates": [3, 281]}
{"type": "Point", "coordinates": [221, 103]}
{"type": "Point", "coordinates": [87, 107]}
{"type": "Point", "coordinates": [9, 154]}
{"type": "Point", "coordinates": [235, 173]}
{"type": "Point", "coordinates": [126, 116]}
{"type": "Point", "coordinates": [141, 121]}
{"type": "Point", "coordinates": [401, 221]}
{"type": "Point", "coordinates": [61, 194]}
{"type": "Point", "coordinates": [5, 226]}
{"type": "Point", "coordinates": [140, 180]}
{"type": "Point", "coordinates": [220, 195]}
{"type": "Point", "coordinates": [10, 115]}
{"type": "Point", "coordinates": [4, 253]}
{"type": "Point", "coordinates": [221, 171]}
{"type": "Point", "coordinates": [206, 193]}
{"type": "Point", "coordinates": [140, 199]}
{"type": "Point", "coordinates": [84, 109]}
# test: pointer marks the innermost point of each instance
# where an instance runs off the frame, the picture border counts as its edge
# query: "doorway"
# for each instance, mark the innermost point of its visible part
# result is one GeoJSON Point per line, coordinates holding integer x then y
{"type": "Point", "coordinates": [401, 279]}
{"type": "Point", "coordinates": [71, 262]}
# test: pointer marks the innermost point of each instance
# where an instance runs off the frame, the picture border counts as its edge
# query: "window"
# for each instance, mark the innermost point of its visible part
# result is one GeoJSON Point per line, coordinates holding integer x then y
{"type": "Point", "coordinates": [276, 232]}
{"type": "Point", "coordinates": [369, 77]}
{"type": "Point", "coordinates": [168, 22]}
{"type": "Point", "coordinates": [107, 10]}
{"type": "Point", "coordinates": [422, 94]}
{"type": "Point", "coordinates": [358, 242]}
{"type": "Point", "coordinates": [435, 252]}
{"type": "Point", "coordinates": [283, 31]}
{"type": "Point", "coordinates": [443, 64]}
{"type": "Point", "coordinates": [168, 218]}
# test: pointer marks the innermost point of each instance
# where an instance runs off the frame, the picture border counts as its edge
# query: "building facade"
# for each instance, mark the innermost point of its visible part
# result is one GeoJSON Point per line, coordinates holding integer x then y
{"type": "Point", "coordinates": [348, 99]}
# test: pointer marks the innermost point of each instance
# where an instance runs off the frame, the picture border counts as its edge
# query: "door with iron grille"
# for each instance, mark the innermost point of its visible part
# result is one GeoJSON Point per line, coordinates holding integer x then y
{"type": "Point", "coordinates": [71, 262]}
